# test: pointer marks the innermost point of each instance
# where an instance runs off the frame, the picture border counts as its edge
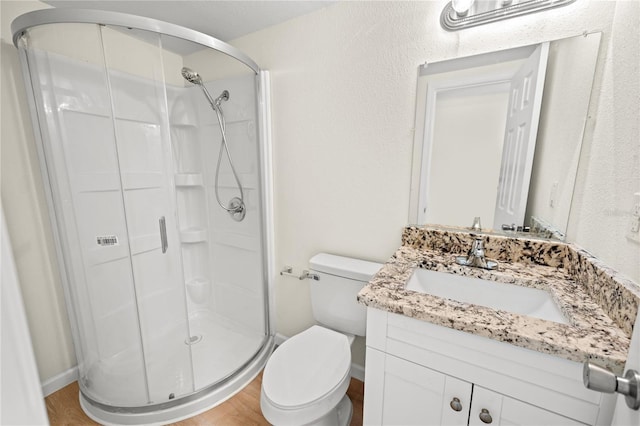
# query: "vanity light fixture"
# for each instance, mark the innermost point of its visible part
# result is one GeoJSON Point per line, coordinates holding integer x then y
{"type": "Point", "coordinates": [460, 14]}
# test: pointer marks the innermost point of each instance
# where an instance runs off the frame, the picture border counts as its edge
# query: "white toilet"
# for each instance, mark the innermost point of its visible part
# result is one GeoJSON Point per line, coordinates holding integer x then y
{"type": "Point", "coordinates": [306, 379]}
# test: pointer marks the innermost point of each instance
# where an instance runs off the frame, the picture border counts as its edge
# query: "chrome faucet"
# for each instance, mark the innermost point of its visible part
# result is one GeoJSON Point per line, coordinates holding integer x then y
{"type": "Point", "coordinates": [476, 257]}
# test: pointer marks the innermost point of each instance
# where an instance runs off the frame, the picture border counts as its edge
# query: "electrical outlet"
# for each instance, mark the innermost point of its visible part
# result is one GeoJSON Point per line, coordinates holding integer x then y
{"type": "Point", "coordinates": [634, 224]}
{"type": "Point", "coordinates": [553, 194]}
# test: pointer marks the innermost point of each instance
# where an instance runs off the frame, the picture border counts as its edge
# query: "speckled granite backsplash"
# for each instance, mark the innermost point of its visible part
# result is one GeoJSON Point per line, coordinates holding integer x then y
{"type": "Point", "coordinates": [497, 247]}
{"type": "Point", "coordinates": [618, 296]}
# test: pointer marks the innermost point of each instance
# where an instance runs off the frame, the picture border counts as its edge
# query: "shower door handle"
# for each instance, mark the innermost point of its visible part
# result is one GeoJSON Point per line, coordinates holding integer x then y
{"type": "Point", "coordinates": [163, 234]}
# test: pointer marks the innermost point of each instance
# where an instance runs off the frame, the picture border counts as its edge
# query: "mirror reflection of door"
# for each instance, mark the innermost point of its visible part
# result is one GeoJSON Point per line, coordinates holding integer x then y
{"type": "Point", "coordinates": [521, 129]}
{"type": "Point", "coordinates": [465, 117]}
{"type": "Point", "coordinates": [461, 121]}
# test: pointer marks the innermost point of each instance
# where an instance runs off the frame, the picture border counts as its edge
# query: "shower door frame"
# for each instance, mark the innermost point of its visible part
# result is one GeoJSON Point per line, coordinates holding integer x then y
{"type": "Point", "coordinates": [215, 393]}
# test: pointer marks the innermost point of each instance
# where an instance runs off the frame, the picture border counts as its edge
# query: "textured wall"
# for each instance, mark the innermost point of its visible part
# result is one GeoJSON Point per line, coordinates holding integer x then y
{"type": "Point", "coordinates": [27, 215]}
{"type": "Point", "coordinates": [609, 171]}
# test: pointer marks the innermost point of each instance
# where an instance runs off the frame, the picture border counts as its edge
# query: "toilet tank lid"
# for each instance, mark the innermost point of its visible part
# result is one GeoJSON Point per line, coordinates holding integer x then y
{"type": "Point", "coordinates": [347, 267]}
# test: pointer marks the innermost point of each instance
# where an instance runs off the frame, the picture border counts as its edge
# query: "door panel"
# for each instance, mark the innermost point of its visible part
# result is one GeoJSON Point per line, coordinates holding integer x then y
{"type": "Point", "coordinates": [400, 392]}
{"type": "Point", "coordinates": [520, 139]}
{"type": "Point", "coordinates": [144, 154]}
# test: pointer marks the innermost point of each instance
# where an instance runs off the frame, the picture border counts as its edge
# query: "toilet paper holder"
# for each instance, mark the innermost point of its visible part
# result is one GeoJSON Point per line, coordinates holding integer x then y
{"type": "Point", "coordinates": [288, 271]}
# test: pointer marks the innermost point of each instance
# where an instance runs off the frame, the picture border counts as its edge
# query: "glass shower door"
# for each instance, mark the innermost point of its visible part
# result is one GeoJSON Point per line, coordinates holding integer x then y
{"type": "Point", "coordinates": [143, 139]}
{"type": "Point", "coordinates": [109, 165]}
{"type": "Point", "coordinates": [167, 292]}
{"type": "Point", "coordinates": [73, 103]}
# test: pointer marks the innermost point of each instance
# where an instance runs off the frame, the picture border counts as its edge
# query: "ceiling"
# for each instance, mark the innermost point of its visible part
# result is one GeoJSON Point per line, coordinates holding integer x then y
{"type": "Point", "coordinates": [223, 19]}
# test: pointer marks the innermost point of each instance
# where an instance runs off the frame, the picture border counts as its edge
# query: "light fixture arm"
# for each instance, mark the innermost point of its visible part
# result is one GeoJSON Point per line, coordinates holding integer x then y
{"type": "Point", "coordinates": [453, 21]}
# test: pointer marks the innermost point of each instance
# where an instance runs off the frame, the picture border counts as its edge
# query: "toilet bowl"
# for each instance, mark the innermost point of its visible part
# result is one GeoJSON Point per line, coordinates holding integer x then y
{"type": "Point", "coordinates": [306, 379]}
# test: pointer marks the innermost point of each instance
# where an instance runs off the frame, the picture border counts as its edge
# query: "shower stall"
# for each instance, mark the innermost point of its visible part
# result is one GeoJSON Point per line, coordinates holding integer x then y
{"type": "Point", "coordinates": [160, 205]}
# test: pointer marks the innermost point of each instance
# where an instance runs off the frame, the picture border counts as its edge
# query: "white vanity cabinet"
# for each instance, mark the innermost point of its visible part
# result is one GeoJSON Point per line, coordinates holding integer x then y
{"type": "Point", "coordinates": [418, 373]}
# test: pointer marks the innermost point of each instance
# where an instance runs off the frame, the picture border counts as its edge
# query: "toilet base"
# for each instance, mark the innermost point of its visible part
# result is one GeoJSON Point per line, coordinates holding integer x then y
{"type": "Point", "coordinates": [339, 416]}
{"type": "Point", "coordinates": [345, 411]}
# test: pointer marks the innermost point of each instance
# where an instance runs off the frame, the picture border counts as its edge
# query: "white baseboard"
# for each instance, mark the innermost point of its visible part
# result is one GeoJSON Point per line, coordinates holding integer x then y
{"type": "Point", "coordinates": [56, 383]}
{"type": "Point", "coordinates": [357, 370]}
{"type": "Point", "coordinates": [279, 339]}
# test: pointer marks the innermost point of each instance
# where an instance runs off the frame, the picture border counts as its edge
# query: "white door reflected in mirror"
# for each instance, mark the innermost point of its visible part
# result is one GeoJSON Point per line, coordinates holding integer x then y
{"type": "Point", "coordinates": [461, 121]}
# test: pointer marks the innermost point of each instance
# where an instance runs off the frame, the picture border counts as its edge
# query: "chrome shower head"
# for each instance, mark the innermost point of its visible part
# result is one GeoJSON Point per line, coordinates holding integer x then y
{"type": "Point", "coordinates": [191, 76]}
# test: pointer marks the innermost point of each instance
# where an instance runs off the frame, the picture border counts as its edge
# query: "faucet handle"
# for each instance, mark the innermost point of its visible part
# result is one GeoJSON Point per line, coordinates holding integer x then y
{"type": "Point", "coordinates": [476, 224]}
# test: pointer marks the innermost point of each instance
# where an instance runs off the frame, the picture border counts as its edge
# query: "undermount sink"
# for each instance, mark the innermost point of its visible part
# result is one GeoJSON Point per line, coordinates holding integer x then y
{"type": "Point", "coordinates": [512, 298]}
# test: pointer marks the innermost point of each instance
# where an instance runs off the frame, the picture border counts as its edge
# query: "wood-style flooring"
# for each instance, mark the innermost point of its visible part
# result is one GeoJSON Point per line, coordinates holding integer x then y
{"type": "Point", "coordinates": [242, 409]}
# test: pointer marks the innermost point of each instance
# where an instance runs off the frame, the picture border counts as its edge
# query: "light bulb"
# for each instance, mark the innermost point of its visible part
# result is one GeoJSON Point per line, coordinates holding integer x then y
{"type": "Point", "coordinates": [462, 6]}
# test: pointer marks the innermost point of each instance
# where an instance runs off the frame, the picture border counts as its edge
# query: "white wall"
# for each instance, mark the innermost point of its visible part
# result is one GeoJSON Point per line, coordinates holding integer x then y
{"type": "Point", "coordinates": [609, 171]}
{"type": "Point", "coordinates": [343, 84]}
{"type": "Point", "coordinates": [27, 215]}
{"type": "Point", "coordinates": [565, 105]}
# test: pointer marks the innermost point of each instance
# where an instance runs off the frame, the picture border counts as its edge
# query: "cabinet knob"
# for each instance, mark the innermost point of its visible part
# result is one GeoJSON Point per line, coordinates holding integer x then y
{"type": "Point", "coordinates": [455, 404]}
{"type": "Point", "coordinates": [485, 416]}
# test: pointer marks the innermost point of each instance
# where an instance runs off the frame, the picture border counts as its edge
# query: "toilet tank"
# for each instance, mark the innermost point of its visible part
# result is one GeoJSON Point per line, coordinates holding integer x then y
{"type": "Point", "coordinates": [334, 295]}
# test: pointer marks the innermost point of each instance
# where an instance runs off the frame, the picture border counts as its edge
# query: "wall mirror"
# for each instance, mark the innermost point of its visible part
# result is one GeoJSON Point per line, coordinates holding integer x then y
{"type": "Point", "coordinates": [498, 136]}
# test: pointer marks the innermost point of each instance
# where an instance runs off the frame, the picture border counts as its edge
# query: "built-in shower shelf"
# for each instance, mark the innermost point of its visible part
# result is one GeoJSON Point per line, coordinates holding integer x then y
{"type": "Point", "coordinates": [189, 179]}
{"type": "Point", "coordinates": [193, 235]}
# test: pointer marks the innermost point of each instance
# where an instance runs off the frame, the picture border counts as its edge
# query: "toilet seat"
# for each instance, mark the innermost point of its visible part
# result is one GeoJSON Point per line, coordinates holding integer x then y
{"type": "Point", "coordinates": [306, 376]}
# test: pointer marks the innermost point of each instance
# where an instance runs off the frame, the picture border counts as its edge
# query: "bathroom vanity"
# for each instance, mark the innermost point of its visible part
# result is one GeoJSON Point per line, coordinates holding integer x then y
{"type": "Point", "coordinates": [437, 360]}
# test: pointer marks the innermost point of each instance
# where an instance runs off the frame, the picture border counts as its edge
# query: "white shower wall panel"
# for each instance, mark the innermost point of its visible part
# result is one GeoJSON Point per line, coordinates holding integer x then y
{"type": "Point", "coordinates": [89, 146]}
{"type": "Point", "coordinates": [112, 301]}
{"type": "Point", "coordinates": [234, 263]}
{"type": "Point", "coordinates": [192, 200]}
{"type": "Point", "coordinates": [238, 306]}
{"type": "Point", "coordinates": [186, 149]}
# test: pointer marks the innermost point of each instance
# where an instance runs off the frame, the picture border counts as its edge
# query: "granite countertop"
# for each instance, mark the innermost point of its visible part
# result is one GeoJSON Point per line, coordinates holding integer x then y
{"type": "Point", "coordinates": [591, 335]}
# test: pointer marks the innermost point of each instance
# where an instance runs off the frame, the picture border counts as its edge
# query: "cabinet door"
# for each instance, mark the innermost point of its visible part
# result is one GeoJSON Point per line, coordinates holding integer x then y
{"type": "Point", "coordinates": [490, 407]}
{"type": "Point", "coordinates": [399, 392]}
